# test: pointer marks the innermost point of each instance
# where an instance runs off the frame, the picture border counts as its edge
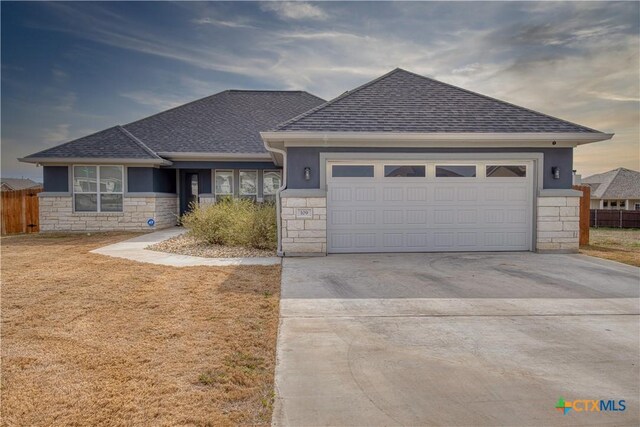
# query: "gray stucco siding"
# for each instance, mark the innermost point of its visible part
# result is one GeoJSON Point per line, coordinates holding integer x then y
{"type": "Point", "coordinates": [140, 180]}
{"type": "Point", "coordinates": [164, 180]}
{"type": "Point", "coordinates": [147, 180]}
{"type": "Point", "coordinates": [299, 158]}
{"type": "Point", "coordinates": [56, 178]}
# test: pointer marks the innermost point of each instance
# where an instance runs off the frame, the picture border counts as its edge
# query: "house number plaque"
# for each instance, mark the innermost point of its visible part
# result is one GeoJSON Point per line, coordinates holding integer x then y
{"type": "Point", "coordinates": [304, 213]}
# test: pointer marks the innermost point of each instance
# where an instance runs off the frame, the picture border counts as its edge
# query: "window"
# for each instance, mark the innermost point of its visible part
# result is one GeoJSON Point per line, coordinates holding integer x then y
{"type": "Point", "coordinates": [622, 203]}
{"type": "Point", "coordinates": [249, 183]}
{"type": "Point", "coordinates": [613, 204]}
{"type": "Point", "coordinates": [352, 171]}
{"type": "Point", "coordinates": [605, 204]}
{"type": "Point", "coordinates": [97, 188]}
{"type": "Point", "coordinates": [224, 183]}
{"type": "Point", "coordinates": [271, 181]}
{"type": "Point", "coordinates": [637, 207]}
{"type": "Point", "coordinates": [446, 171]}
{"type": "Point", "coordinates": [404, 171]}
{"type": "Point", "coordinates": [506, 171]}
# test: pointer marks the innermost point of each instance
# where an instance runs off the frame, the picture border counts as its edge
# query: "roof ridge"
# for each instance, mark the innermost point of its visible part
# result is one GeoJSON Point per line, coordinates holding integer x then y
{"type": "Point", "coordinates": [137, 141]}
{"type": "Point", "coordinates": [336, 99]}
{"type": "Point", "coordinates": [498, 100]}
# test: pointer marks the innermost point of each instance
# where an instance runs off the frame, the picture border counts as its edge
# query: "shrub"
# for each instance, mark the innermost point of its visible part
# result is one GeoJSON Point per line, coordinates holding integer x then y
{"type": "Point", "coordinates": [233, 222]}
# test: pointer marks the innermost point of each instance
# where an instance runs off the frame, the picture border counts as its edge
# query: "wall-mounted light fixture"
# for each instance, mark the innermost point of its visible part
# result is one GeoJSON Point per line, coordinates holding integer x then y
{"type": "Point", "coordinates": [307, 173]}
{"type": "Point", "coordinates": [555, 170]}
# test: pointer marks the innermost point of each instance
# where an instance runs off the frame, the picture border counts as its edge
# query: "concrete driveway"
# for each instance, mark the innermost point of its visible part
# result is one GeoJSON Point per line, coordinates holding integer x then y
{"type": "Point", "coordinates": [456, 339]}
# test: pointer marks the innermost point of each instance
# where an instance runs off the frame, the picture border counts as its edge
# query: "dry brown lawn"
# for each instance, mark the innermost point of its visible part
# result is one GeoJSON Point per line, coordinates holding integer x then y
{"type": "Point", "coordinates": [93, 340]}
{"type": "Point", "coordinates": [617, 244]}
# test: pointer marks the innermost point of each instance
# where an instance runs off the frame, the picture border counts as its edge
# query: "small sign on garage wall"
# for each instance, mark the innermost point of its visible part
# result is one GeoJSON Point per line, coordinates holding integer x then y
{"type": "Point", "coordinates": [304, 213]}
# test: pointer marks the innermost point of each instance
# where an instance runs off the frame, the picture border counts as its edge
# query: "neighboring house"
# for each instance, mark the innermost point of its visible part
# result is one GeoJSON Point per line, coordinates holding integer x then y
{"type": "Point", "coordinates": [403, 163]}
{"type": "Point", "coordinates": [616, 189]}
{"type": "Point", "coordinates": [12, 184]}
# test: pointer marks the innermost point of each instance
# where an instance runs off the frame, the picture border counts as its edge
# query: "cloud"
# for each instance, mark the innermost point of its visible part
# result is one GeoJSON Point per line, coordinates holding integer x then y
{"type": "Point", "coordinates": [66, 102]}
{"type": "Point", "coordinates": [295, 10]}
{"type": "Point", "coordinates": [58, 133]}
{"type": "Point", "coordinates": [158, 100]}
{"type": "Point", "coordinates": [58, 75]}
{"type": "Point", "coordinates": [221, 23]}
{"type": "Point", "coordinates": [614, 97]}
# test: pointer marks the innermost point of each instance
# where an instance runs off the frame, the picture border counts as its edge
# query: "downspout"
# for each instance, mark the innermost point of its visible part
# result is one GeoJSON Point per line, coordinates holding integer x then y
{"type": "Point", "coordinates": [278, 191]}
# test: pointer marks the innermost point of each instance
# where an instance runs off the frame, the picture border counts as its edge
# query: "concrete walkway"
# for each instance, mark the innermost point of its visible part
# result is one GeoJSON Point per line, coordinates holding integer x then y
{"type": "Point", "coordinates": [134, 250]}
{"type": "Point", "coordinates": [456, 339]}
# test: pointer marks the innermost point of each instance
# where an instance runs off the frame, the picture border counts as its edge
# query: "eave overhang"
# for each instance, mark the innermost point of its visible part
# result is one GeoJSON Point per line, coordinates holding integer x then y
{"type": "Point", "coordinates": [215, 156]}
{"type": "Point", "coordinates": [94, 160]}
{"type": "Point", "coordinates": [407, 139]}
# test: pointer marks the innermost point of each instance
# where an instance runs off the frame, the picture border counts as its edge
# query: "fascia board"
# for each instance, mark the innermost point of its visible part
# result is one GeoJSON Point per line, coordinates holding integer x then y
{"type": "Point", "coordinates": [432, 139]}
{"type": "Point", "coordinates": [93, 160]}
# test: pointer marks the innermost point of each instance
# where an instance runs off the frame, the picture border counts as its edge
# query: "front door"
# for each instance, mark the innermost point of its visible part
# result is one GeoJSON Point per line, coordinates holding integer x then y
{"type": "Point", "coordinates": [191, 190]}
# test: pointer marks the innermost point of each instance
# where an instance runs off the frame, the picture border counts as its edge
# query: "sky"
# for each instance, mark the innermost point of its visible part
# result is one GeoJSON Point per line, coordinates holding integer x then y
{"type": "Point", "coordinates": [71, 69]}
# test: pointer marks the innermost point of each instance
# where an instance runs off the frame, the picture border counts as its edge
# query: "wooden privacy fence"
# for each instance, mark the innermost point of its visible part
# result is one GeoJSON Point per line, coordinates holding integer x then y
{"type": "Point", "coordinates": [585, 204]}
{"type": "Point", "coordinates": [615, 218]}
{"type": "Point", "coordinates": [20, 211]}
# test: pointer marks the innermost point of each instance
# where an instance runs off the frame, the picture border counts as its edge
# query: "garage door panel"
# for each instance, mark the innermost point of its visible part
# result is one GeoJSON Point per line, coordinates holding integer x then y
{"type": "Point", "coordinates": [365, 217]}
{"type": "Point", "coordinates": [340, 194]}
{"type": "Point", "coordinates": [443, 216]}
{"type": "Point", "coordinates": [417, 194]}
{"type": "Point", "coordinates": [467, 194]}
{"type": "Point", "coordinates": [393, 217]}
{"type": "Point", "coordinates": [365, 194]}
{"type": "Point", "coordinates": [415, 217]}
{"type": "Point", "coordinates": [392, 194]}
{"type": "Point", "coordinates": [467, 216]}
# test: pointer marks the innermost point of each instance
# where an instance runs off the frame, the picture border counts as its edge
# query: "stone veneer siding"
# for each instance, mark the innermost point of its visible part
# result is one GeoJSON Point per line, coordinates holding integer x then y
{"type": "Point", "coordinates": [558, 225]}
{"type": "Point", "coordinates": [56, 214]}
{"type": "Point", "coordinates": [304, 226]}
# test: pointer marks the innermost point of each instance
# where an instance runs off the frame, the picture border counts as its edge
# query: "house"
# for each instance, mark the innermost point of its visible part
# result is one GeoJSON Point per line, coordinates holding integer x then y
{"type": "Point", "coordinates": [616, 189]}
{"type": "Point", "coordinates": [403, 163]}
{"type": "Point", "coordinates": [13, 184]}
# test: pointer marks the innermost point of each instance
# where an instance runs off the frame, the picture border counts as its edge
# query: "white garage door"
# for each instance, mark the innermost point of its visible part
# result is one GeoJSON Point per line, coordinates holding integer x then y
{"type": "Point", "coordinates": [435, 206]}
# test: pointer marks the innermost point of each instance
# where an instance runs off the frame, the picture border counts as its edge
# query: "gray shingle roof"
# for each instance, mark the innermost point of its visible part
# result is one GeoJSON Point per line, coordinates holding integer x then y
{"type": "Point", "coordinates": [228, 122]}
{"type": "Point", "coordinates": [19, 183]}
{"type": "Point", "coordinates": [112, 143]}
{"type": "Point", "coordinates": [401, 101]}
{"type": "Point", "coordinates": [619, 183]}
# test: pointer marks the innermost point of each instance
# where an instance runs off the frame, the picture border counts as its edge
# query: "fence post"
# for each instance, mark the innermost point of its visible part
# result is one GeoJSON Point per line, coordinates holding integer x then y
{"type": "Point", "coordinates": [620, 218]}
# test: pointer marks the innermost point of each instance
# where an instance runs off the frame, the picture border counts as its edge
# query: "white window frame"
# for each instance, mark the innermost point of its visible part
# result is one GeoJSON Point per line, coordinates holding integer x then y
{"type": "Point", "coordinates": [240, 193]}
{"type": "Point", "coordinates": [418, 164]}
{"type": "Point", "coordinates": [486, 165]}
{"type": "Point", "coordinates": [264, 193]}
{"type": "Point", "coordinates": [98, 193]}
{"type": "Point", "coordinates": [215, 186]}
{"type": "Point", "coordinates": [480, 168]}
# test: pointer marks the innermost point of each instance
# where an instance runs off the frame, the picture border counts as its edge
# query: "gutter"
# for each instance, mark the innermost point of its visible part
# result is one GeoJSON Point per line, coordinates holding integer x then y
{"type": "Point", "coordinates": [213, 156]}
{"type": "Point", "coordinates": [470, 139]}
{"type": "Point", "coordinates": [271, 149]}
{"type": "Point", "coordinates": [94, 160]}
